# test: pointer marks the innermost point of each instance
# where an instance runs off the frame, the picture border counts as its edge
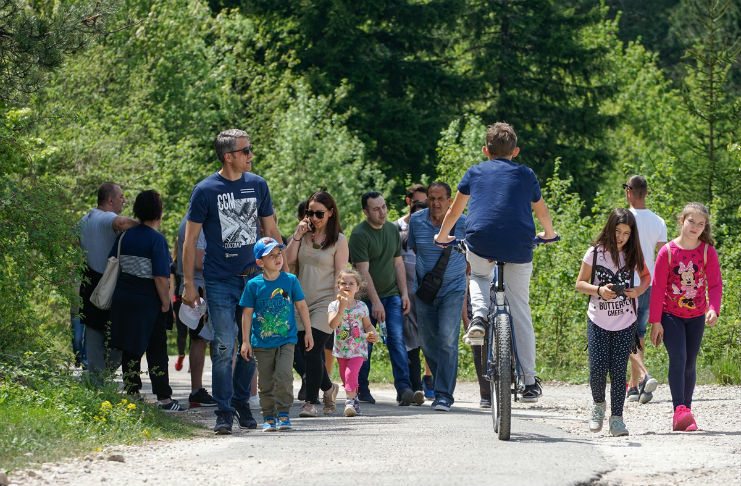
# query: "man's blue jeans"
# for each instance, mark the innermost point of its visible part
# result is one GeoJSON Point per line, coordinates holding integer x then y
{"type": "Point", "coordinates": [226, 317]}
{"type": "Point", "coordinates": [395, 345]}
{"type": "Point", "coordinates": [440, 327]}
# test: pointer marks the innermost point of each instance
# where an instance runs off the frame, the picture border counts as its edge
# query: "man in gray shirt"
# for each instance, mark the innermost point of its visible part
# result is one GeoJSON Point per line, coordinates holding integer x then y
{"type": "Point", "coordinates": [98, 230]}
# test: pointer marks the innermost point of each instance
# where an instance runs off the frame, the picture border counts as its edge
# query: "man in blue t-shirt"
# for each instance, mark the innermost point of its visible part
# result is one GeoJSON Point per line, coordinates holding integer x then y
{"type": "Point", "coordinates": [500, 227]}
{"type": "Point", "coordinates": [227, 205]}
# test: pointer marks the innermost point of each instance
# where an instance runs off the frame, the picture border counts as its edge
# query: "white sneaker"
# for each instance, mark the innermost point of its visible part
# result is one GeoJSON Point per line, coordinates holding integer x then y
{"type": "Point", "coordinates": [350, 408]}
{"type": "Point", "coordinates": [598, 417]}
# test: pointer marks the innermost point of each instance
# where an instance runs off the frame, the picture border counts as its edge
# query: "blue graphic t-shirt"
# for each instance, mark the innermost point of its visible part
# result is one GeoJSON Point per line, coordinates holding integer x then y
{"type": "Point", "coordinates": [274, 317]}
{"type": "Point", "coordinates": [229, 212]}
{"type": "Point", "coordinates": [500, 220]}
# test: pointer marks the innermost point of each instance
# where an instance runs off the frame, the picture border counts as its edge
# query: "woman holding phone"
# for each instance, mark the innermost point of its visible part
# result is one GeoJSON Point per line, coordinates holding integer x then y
{"type": "Point", "coordinates": [320, 252]}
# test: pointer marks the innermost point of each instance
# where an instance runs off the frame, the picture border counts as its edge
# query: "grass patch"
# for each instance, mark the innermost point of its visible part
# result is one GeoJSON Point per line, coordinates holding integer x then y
{"type": "Point", "coordinates": [47, 414]}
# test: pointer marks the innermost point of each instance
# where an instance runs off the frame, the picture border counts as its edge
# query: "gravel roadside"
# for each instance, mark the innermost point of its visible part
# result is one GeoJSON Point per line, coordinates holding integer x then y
{"type": "Point", "coordinates": [652, 455]}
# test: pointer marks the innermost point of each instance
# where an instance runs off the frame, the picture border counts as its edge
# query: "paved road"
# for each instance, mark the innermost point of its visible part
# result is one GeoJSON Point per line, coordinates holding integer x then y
{"type": "Point", "coordinates": [387, 444]}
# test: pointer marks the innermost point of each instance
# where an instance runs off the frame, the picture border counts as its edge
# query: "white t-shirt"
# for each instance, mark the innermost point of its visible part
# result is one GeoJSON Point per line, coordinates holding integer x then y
{"type": "Point", "coordinates": [651, 230]}
{"type": "Point", "coordinates": [618, 313]}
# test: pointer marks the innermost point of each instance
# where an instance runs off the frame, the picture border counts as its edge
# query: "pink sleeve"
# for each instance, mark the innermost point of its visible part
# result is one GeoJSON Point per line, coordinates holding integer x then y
{"type": "Point", "coordinates": [714, 280]}
{"type": "Point", "coordinates": [658, 286]}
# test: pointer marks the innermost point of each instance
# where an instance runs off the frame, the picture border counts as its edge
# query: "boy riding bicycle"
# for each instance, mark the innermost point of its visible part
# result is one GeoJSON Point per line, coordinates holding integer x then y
{"type": "Point", "coordinates": [500, 227]}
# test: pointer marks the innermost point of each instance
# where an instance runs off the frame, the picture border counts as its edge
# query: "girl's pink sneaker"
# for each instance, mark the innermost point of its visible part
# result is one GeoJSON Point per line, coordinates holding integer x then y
{"type": "Point", "coordinates": [693, 425]}
{"type": "Point", "coordinates": [683, 419]}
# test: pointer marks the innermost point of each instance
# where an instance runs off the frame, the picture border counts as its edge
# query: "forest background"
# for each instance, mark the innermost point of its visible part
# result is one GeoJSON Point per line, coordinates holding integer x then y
{"type": "Point", "coordinates": [352, 96]}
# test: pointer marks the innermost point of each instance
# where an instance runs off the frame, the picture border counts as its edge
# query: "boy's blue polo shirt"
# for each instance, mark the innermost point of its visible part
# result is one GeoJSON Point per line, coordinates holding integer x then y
{"type": "Point", "coordinates": [500, 222]}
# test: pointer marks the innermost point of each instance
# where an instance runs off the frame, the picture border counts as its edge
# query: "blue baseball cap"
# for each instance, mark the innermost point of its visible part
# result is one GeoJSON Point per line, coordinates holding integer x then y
{"type": "Point", "coordinates": [264, 246]}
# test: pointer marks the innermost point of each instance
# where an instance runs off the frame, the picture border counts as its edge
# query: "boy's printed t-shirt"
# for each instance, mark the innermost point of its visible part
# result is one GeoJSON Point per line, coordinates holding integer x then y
{"type": "Point", "coordinates": [500, 223]}
{"type": "Point", "coordinates": [618, 313]}
{"type": "Point", "coordinates": [229, 212]}
{"type": "Point", "coordinates": [274, 317]}
{"type": "Point", "coordinates": [349, 337]}
{"type": "Point", "coordinates": [680, 287]}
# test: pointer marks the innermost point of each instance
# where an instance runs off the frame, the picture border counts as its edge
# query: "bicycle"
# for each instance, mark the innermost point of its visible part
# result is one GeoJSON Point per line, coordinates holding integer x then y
{"type": "Point", "coordinates": [500, 360]}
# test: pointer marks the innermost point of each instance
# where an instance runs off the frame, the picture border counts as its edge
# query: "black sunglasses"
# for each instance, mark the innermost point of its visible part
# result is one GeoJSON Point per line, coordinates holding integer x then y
{"type": "Point", "coordinates": [626, 187]}
{"type": "Point", "coordinates": [246, 150]}
{"type": "Point", "coordinates": [317, 214]}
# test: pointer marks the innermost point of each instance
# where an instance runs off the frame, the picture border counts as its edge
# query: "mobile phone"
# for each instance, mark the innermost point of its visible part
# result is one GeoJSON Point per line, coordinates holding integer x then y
{"type": "Point", "coordinates": [311, 227]}
{"type": "Point", "coordinates": [618, 289]}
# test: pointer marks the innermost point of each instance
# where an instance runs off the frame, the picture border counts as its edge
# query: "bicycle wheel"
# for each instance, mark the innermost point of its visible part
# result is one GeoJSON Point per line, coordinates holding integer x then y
{"type": "Point", "coordinates": [502, 386]}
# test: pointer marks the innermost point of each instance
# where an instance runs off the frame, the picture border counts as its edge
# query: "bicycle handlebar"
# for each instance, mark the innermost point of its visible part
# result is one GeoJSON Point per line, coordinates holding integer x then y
{"type": "Point", "coordinates": [460, 245]}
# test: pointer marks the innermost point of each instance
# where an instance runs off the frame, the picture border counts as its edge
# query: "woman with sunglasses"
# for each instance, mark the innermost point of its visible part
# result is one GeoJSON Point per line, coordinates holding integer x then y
{"type": "Point", "coordinates": [320, 252]}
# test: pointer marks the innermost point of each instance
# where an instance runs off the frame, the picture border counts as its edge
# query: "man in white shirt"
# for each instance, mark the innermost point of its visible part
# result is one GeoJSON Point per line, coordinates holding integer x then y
{"type": "Point", "coordinates": [652, 235]}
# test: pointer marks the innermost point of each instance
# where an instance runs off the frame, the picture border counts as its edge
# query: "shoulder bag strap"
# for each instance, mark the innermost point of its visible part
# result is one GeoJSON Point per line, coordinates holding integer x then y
{"type": "Point", "coordinates": [118, 250]}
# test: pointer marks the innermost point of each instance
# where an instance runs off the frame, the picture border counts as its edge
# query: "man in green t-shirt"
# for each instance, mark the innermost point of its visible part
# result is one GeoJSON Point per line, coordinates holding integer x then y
{"type": "Point", "coordinates": [375, 250]}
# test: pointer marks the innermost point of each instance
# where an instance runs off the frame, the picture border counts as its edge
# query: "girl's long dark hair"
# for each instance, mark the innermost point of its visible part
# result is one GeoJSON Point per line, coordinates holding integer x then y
{"type": "Point", "coordinates": [632, 247]}
{"type": "Point", "coordinates": [333, 222]}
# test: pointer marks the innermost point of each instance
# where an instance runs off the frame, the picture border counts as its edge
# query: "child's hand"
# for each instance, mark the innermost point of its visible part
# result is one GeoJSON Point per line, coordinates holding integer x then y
{"type": "Point", "coordinates": [372, 337]}
{"type": "Point", "coordinates": [246, 350]}
{"type": "Point", "coordinates": [711, 317]}
{"type": "Point", "coordinates": [309, 341]}
{"type": "Point", "coordinates": [657, 334]}
{"type": "Point", "coordinates": [344, 298]}
{"type": "Point", "coordinates": [443, 239]}
{"type": "Point", "coordinates": [607, 293]}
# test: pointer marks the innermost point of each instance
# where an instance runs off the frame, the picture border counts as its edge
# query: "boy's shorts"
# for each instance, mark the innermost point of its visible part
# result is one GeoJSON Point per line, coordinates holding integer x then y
{"type": "Point", "coordinates": [644, 301]}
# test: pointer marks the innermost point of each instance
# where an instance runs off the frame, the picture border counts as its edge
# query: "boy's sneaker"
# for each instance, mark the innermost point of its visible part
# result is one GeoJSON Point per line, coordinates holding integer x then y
{"type": "Point", "coordinates": [201, 398]}
{"type": "Point", "coordinates": [428, 387]}
{"type": "Point", "coordinates": [418, 398]}
{"type": "Point", "coordinates": [171, 406]}
{"type": "Point", "coordinates": [329, 399]}
{"type": "Point", "coordinates": [441, 405]}
{"type": "Point", "coordinates": [350, 408]}
{"type": "Point", "coordinates": [683, 418]}
{"type": "Point", "coordinates": [598, 417]}
{"type": "Point", "coordinates": [531, 393]}
{"type": "Point", "coordinates": [223, 423]}
{"type": "Point", "coordinates": [284, 422]}
{"type": "Point", "coordinates": [244, 416]}
{"type": "Point", "coordinates": [484, 403]}
{"type": "Point", "coordinates": [179, 362]}
{"type": "Point", "coordinates": [646, 387]}
{"type": "Point", "coordinates": [617, 427]}
{"type": "Point", "coordinates": [268, 424]}
{"type": "Point", "coordinates": [477, 328]}
{"type": "Point", "coordinates": [632, 394]}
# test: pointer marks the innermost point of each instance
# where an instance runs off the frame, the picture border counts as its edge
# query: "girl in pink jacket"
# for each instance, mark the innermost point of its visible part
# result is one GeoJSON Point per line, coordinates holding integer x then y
{"type": "Point", "coordinates": [687, 292]}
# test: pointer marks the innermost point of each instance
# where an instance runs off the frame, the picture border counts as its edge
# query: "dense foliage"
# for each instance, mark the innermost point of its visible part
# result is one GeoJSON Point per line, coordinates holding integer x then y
{"type": "Point", "coordinates": [350, 96]}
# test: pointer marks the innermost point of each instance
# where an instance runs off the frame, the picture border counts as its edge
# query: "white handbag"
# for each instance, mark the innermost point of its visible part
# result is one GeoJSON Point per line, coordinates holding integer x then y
{"type": "Point", "coordinates": [103, 293]}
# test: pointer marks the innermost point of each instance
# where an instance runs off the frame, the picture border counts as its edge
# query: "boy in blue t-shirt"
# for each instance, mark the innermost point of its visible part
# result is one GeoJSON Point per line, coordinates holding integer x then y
{"type": "Point", "coordinates": [500, 227]}
{"type": "Point", "coordinates": [269, 330]}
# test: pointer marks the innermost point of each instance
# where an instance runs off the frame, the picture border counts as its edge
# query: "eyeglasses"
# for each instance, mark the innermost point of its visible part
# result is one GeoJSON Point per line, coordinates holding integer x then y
{"type": "Point", "coordinates": [626, 187]}
{"type": "Point", "coordinates": [316, 214]}
{"type": "Point", "coordinates": [246, 150]}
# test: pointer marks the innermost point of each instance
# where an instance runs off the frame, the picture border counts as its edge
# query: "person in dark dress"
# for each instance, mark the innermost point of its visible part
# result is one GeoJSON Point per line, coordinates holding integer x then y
{"type": "Point", "coordinates": [140, 309]}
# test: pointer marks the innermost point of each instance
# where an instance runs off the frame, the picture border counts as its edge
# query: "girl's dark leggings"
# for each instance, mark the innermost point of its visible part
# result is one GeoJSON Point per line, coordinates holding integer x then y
{"type": "Point", "coordinates": [608, 352]}
{"type": "Point", "coordinates": [316, 372]}
{"type": "Point", "coordinates": [682, 338]}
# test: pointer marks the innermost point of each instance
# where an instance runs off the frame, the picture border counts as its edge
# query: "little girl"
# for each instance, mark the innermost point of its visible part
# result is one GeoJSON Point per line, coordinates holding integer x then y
{"type": "Point", "coordinates": [606, 275]}
{"type": "Point", "coordinates": [352, 330]}
{"type": "Point", "coordinates": [686, 268]}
